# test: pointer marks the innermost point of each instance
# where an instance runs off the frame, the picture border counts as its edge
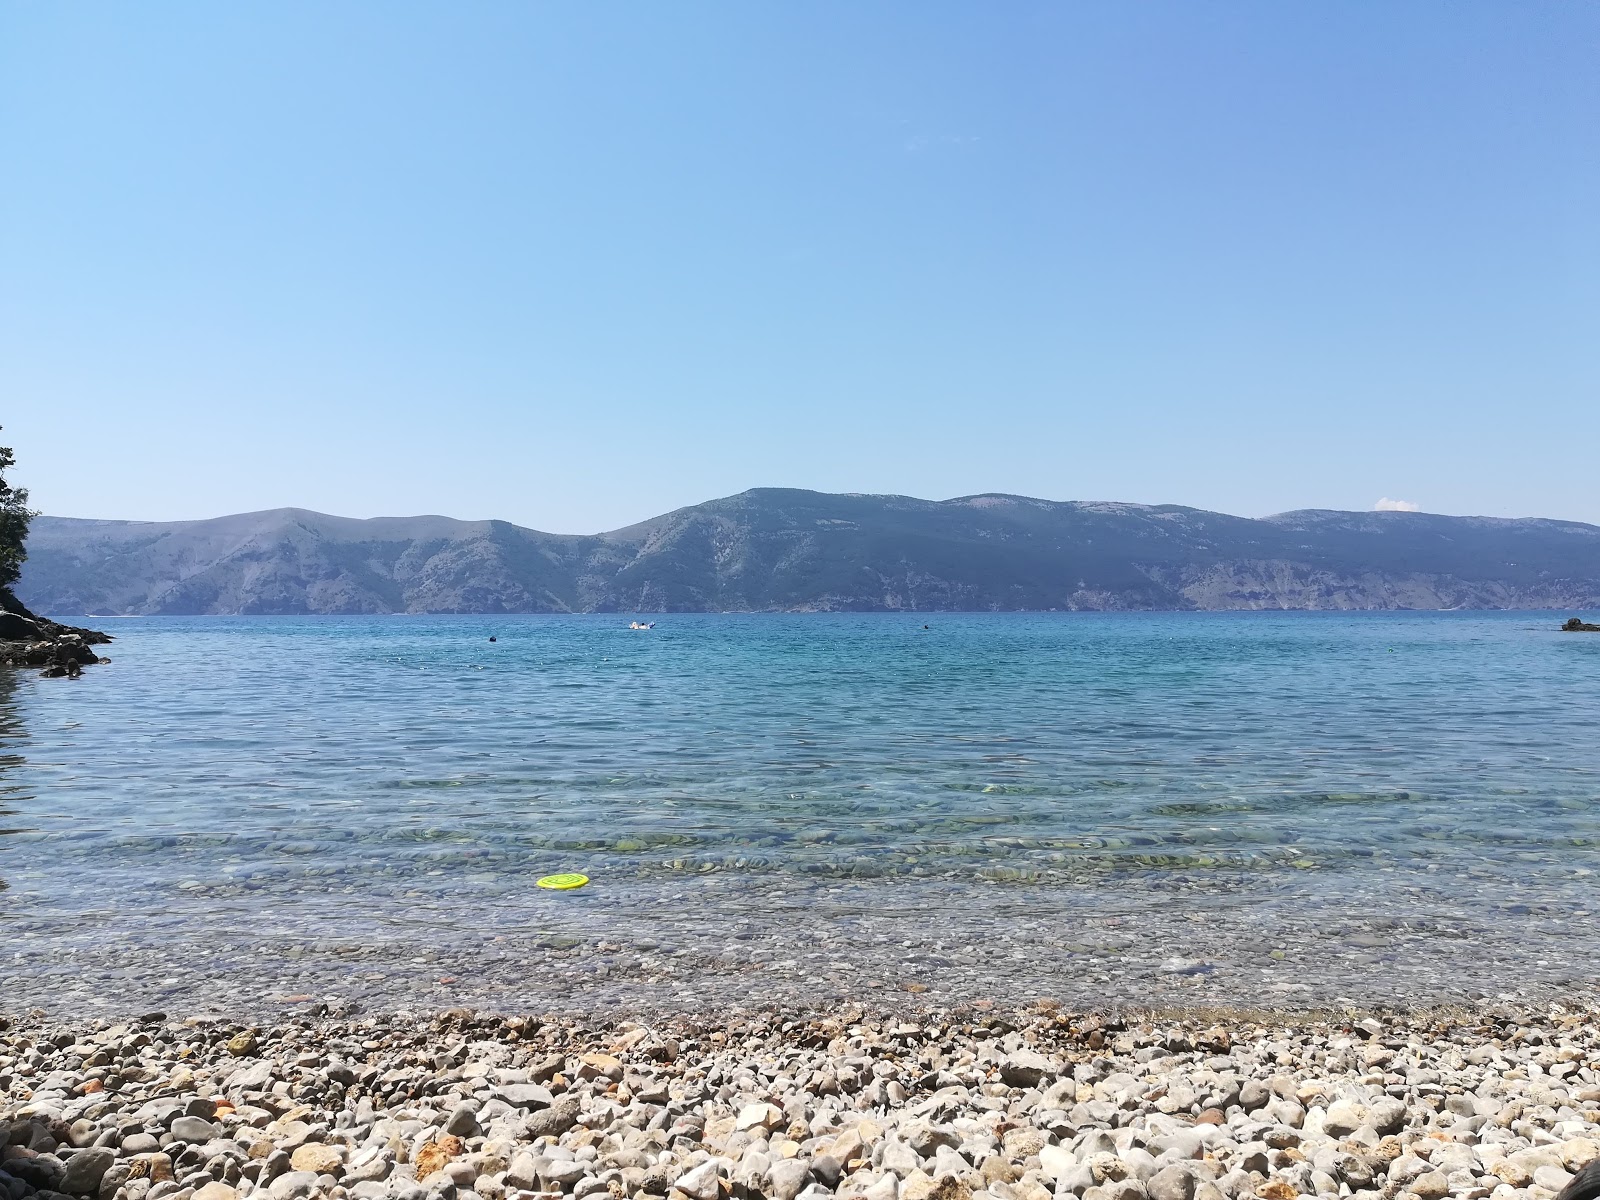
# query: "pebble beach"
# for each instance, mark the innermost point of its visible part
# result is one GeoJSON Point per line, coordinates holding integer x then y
{"type": "Point", "coordinates": [482, 764]}
{"type": "Point", "coordinates": [1488, 1103]}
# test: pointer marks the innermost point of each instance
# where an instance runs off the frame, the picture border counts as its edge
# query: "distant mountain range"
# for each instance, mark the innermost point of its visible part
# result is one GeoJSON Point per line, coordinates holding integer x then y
{"type": "Point", "coordinates": [775, 549]}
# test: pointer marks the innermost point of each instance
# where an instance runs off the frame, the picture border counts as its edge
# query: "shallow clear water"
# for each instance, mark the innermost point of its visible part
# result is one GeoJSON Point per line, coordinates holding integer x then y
{"type": "Point", "coordinates": [1174, 808]}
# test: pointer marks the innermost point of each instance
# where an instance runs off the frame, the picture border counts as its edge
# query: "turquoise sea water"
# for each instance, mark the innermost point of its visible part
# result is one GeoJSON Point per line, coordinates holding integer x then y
{"type": "Point", "coordinates": [1257, 808]}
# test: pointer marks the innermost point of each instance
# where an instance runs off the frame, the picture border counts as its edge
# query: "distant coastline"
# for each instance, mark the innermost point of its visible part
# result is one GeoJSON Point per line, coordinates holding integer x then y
{"type": "Point", "coordinates": [776, 550]}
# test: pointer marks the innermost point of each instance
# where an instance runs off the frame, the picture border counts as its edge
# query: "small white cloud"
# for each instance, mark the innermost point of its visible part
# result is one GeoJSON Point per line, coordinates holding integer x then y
{"type": "Point", "coordinates": [1388, 505]}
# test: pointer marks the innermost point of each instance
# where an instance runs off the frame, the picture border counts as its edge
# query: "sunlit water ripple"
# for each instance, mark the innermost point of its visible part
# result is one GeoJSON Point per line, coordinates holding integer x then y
{"type": "Point", "coordinates": [1132, 808]}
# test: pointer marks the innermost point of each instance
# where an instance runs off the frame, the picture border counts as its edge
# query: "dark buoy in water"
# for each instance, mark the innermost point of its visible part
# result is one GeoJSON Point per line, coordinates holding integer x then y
{"type": "Point", "coordinates": [492, 637]}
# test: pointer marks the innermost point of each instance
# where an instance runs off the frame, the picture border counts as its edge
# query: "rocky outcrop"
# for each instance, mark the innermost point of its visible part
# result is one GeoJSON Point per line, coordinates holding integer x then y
{"type": "Point", "coordinates": [57, 650]}
{"type": "Point", "coordinates": [1574, 625]}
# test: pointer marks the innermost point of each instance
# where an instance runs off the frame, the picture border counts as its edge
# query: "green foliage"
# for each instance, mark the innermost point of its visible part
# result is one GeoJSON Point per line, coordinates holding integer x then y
{"type": "Point", "coordinates": [14, 517]}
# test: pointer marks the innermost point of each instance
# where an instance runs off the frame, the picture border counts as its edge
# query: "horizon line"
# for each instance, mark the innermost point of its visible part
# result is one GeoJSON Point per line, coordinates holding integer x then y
{"type": "Point", "coordinates": [891, 496]}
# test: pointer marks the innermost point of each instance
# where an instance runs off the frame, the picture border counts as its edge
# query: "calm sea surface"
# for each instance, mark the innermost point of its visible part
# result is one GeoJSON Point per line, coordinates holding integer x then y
{"type": "Point", "coordinates": [1285, 809]}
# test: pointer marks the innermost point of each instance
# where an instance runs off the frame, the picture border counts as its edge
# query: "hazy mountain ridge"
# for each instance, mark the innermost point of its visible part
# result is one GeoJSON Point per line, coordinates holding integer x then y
{"type": "Point", "coordinates": [776, 549]}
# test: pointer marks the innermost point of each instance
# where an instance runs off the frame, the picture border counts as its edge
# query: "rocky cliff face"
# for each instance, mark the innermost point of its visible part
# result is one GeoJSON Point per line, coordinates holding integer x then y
{"type": "Point", "coordinates": [772, 549]}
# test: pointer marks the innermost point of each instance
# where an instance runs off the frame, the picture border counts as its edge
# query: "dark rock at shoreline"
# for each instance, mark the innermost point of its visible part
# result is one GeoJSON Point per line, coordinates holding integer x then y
{"type": "Point", "coordinates": [27, 640]}
{"type": "Point", "coordinates": [14, 627]}
{"type": "Point", "coordinates": [1574, 625]}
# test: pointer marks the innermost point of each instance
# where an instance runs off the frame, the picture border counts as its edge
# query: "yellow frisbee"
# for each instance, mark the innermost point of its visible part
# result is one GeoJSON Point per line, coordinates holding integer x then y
{"type": "Point", "coordinates": [563, 883]}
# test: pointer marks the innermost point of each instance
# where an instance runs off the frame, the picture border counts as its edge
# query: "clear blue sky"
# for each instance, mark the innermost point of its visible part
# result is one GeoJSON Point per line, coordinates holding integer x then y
{"type": "Point", "coordinates": [575, 264]}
